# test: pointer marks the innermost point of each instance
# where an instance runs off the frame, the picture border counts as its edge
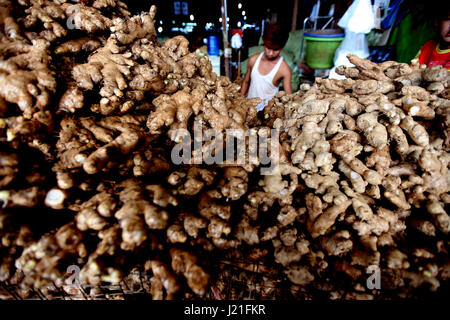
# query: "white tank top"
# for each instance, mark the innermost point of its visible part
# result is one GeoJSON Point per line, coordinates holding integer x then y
{"type": "Point", "coordinates": [262, 86]}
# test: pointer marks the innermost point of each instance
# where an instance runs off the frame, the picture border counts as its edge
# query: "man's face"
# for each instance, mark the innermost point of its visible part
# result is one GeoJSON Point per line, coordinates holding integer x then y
{"type": "Point", "coordinates": [271, 52]}
{"type": "Point", "coordinates": [445, 30]}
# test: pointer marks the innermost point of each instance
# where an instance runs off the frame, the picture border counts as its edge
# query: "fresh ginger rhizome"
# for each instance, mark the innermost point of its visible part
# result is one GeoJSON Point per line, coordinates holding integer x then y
{"type": "Point", "coordinates": [232, 147]}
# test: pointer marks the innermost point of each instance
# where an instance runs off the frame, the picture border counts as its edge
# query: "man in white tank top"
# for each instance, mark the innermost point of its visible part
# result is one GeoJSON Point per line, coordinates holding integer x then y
{"type": "Point", "coordinates": [266, 70]}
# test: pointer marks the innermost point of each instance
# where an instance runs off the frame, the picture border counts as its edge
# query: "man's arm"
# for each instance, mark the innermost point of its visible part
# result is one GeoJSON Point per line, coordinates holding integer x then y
{"type": "Point", "coordinates": [246, 83]}
{"type": "Point", "coordinates": [287, 75]}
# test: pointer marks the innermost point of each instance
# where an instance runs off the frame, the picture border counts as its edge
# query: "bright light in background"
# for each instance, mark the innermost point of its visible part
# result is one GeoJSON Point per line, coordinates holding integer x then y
{"type": "Point", "coordinates": [228, 19]}
{"type": "Point", "coordinates": [173, 21]}
{"type": "Point", "coordinates": [160, 22]}
{"type": "Point", "coordinates": [245, 17]}
{"type": "Point", "coordinates": [209, 25]}
{"type": "Point", "coordinates": [246, 26]}
{"type": "Point", "coordinates": [239, 5]}
{"type": "Point", "coordinates": [220, 19]}
{"type": "Point", "coordinates": [243, 13]}
{"type": "Point", "coordinates": [239, 24]}
{"type": "Point", "coordinates": [188, 27]}
{"type": "Point", "coordinates": [191, 17]}
{"type": "Point", "coordinates": [160, 29]}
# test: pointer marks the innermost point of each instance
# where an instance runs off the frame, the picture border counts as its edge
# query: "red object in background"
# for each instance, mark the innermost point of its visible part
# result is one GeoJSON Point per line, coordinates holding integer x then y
{"type": "Point", "coordinates": [430, 55]}
{"type": "Point", "coordinates": [240, 31]}
{"type": "Point", "coordinates": [306, 68]}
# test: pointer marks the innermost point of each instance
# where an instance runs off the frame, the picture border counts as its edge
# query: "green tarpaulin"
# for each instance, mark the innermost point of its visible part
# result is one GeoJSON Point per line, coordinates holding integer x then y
{"type": "Point", "coordinates": [414, 30]}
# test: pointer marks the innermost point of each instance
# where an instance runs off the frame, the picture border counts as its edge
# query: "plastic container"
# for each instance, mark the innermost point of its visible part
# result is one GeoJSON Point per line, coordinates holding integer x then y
{"type": "Point", "coordinates": [320, 47]}
{"type": "Point", "coordinates": [213, 46]}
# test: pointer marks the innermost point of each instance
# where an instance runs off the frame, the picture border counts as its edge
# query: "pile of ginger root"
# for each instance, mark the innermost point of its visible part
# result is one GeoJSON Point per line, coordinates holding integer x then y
{"type": "Point", "coordinates": [91, 107]}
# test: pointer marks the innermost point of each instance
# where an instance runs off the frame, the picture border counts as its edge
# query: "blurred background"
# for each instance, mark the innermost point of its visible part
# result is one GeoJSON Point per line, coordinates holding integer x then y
{"type": "Point", "coordinates": [404, 26]}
